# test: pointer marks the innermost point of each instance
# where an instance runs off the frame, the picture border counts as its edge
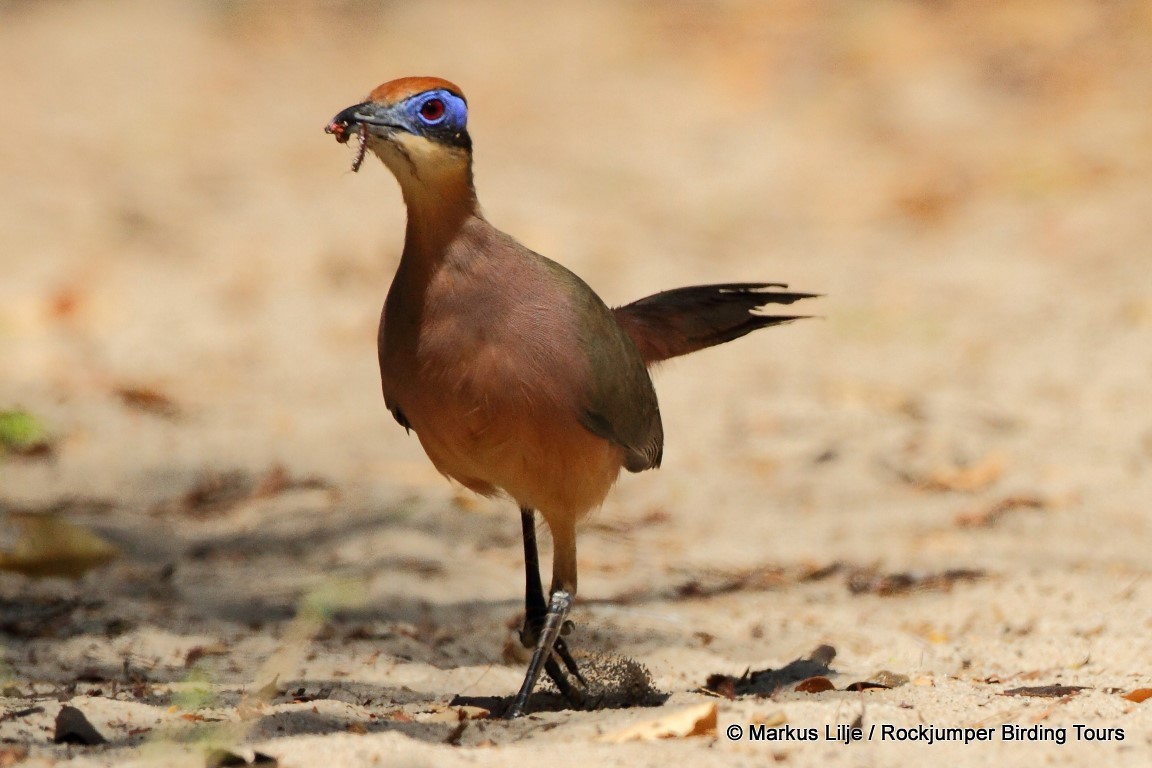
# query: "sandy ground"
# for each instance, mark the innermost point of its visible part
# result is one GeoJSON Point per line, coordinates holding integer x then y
{"type": "Point", "coordinates": [190, 279]}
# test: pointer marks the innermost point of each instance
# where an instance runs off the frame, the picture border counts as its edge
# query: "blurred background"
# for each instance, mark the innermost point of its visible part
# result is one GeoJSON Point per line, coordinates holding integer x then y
{"type": "Point", "coordinates": [190, 276]}
{"type": "Point", "coordinates": [968, 182]}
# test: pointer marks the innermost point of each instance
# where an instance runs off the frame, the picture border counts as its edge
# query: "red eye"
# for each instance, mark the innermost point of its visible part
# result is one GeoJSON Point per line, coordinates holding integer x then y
{"type": "Point", "coordinates": [432, 110]}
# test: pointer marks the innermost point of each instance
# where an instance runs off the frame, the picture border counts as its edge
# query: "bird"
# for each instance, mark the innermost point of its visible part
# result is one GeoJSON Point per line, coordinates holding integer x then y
{"type": "Point", "coordinates": [518, 380]}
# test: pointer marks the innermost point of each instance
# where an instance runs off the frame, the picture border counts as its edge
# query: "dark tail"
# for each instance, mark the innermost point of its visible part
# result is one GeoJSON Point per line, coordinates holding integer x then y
{"type": "Point", "coordinates": [683, 320]}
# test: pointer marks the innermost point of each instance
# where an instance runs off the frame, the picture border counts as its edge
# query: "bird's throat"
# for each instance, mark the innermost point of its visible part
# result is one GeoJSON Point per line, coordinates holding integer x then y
{"type": "Point", "coordinates": [436, 215]}
{"type": "Point", "coordinates": [436, 183]}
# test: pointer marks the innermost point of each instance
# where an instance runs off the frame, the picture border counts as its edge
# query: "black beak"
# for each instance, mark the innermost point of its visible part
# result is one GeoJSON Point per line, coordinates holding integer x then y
{"type": "Point", "coordinates": [344, 120]}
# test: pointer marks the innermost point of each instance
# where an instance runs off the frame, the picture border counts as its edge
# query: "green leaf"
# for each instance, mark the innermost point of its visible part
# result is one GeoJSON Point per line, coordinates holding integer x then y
{"type": "Point", "coordinates": [20, 430]}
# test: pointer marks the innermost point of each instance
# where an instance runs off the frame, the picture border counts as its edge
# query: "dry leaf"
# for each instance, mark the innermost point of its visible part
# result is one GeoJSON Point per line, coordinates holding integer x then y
{"type": "Point", "coordinates": [63, 304]}
{"type": "Point", "coordinates": [10, 756]}
{"type": "Point", "coordinates": [219, 492]}
{"type": "Point", "coordinates": [1139, 695]}
{"type": "Point", "coordinates": [269, 690]}
{"type": "Point", "coordinates": [969, 479]}
{"type": "Point", "coordinates": [817, 684]}
{"type": "Point", "coordinates": [770, 720]}
{"type": "Point", "coordinates": [988, 515]}
{"type": "Point", "coordinates": [865, 685]}
{"type": "Point", "coordinates": [198, 652]}
{"type": "Point", "coordinates": [699, 720]}
{"type": "Point", "coordinates": [929, 632]}
{"type": "Point", "coordinates": [249, 709]}
{"type": "Point", "coordinates": [148, 400]}
{"type": "Point", "coordinates": [889, 679]}
{"type": "Point", "coordinates": [51, 547]}
{"type": "Point", "coordinates": [721, 685]}
{"type": "Point", "coordinates": [452, 714]}
{"type": "Point", "coordinates": [964, 479]}
{"type": "Point", "coordinates": [756, 579]}
{"type": "Point", "coordinates": [1046, 691]}
{"type": "Point", "coordinates": [872, 581]}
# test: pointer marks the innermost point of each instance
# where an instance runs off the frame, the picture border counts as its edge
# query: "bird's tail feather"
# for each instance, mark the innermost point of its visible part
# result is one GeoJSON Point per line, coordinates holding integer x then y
{"type": "Point", "coordinates": [683, 320]}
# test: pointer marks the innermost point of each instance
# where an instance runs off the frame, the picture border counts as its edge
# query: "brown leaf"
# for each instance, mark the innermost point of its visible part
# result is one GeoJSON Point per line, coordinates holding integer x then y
{"type": "Point", "coordinates": [722, 685]}
{"type": "Point", "coordinates": [871, 581]}
{"type": "Point", "coordinates": [278, 479]}
{"type": "Point", "coordinates": [217, 492]}
{"type": "Point", "coordinates": [815, 685]}
{"type": "Point", "coordinates": [991, 514]}
{"type": "Point", "coordinates": [63, 304]}
{"type": "Point", "coordinates": [931, 197]}
{"type": "Point", "coordinates": [889, 679]}
{"type": "Point", "coordinates": [200, 651]}
{"type": "Point", "coordinates": [149, 400]}
{"type": "Point", "coordinates": [456, 733]}
{"type": "Point", "coordinates": [968, 478]}
{"type": "Point", "coordinates": [10, 756]}
{"type": "Point", "coordinates": [452, 714]}
{"type": "Point", "coordinates": [752, 579]}
{"type": "Point", "coordinates": [1140, 695]}
{"type": "Point", "coordinates": [50, 547]}
{"type": "Point", "coordinates": [865, 685]}
{"type": "Point", "coordinates": [1046, 691]}
{"type": "Point", "coordinates": [699, 720]}
{"type": "Point", "coordinates": [275, 481]}
{"type": "Point", "coordinates": [821, 572]}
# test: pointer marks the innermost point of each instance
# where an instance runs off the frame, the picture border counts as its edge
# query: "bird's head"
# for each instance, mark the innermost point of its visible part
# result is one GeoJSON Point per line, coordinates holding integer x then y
{"type": "Point", "coordinates": [418, 127]}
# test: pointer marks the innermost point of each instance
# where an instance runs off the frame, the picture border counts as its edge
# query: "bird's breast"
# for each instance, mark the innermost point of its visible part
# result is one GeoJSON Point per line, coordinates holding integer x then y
{"type": "Point", "coordinates": [491, 385]}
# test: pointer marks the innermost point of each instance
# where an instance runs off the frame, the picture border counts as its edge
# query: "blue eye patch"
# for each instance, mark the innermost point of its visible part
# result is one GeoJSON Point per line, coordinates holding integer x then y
{"type": "Point", "coordinates": [441, 116]}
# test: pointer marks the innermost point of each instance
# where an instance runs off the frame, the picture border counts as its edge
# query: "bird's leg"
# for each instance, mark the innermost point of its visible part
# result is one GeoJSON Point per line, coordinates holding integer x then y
{"type": "Point", "coordinates": [542, 655]}
{"type": "Point", "coordinates": [538, 616]}
{"type": "Point", "coordinates": [535, 607]}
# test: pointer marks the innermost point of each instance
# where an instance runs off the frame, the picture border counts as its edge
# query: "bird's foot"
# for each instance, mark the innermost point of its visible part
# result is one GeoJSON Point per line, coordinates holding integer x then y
{"type": "Point", "coordinates": [544, 638]}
